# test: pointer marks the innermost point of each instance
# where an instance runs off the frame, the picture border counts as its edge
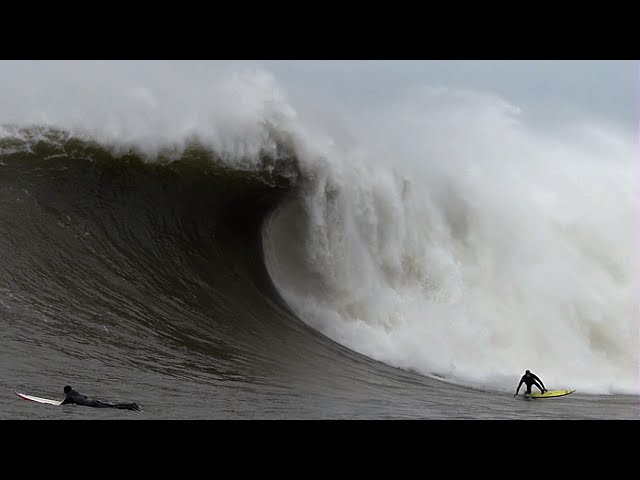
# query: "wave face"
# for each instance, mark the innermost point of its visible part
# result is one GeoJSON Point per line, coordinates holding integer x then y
{"type": "Point", "coordinates": [198, 231]}
{"type": "Point", "coordinates": [93, 241]}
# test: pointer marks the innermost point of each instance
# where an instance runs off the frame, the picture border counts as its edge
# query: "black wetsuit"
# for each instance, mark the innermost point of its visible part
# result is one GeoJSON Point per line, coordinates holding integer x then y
{"type": "Point", "coordinates": [530, 379]}
{"type": "Point", "coordinates": [74, 398]}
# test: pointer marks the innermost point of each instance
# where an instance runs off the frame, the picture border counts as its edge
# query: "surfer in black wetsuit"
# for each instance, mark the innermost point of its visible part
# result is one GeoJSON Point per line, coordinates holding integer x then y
{"type": "Point", "coordinates": [530, 379]}
{"type": "Point", "coordinates": [74, 398]}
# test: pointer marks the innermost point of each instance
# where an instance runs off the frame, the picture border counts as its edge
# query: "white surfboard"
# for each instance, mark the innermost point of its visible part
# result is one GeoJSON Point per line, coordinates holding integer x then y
{"type": "Point", "coordinates": [32, 398]}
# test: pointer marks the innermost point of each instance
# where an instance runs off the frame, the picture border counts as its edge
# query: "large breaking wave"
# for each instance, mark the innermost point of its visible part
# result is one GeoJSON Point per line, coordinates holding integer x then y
{"type": "Point", "coordinates": [437, 232]}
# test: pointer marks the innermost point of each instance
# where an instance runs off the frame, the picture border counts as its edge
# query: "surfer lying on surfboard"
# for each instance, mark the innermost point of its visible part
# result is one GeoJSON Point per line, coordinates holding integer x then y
{"type": "Point", "coordinates": [74, 398]}
{"type": "Point", "coordinates": [530, 379]}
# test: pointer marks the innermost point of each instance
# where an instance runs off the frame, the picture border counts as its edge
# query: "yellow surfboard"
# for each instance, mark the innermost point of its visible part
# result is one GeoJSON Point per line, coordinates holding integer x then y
{"type": "Point", "coordinates": [550, 394]}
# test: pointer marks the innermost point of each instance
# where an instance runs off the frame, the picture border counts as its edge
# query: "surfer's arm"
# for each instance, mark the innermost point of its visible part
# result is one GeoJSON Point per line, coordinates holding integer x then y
{"type": "Point", "coordinates": [518, 389]}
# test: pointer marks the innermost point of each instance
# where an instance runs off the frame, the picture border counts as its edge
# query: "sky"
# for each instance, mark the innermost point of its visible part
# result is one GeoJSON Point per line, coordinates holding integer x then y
{"type": "Point", "coordinates": [602, 87]}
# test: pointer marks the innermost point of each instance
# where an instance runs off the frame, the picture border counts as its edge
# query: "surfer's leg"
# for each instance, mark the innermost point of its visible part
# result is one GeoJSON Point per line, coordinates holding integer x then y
{"type": "Point", "coordinates": [127, 406]}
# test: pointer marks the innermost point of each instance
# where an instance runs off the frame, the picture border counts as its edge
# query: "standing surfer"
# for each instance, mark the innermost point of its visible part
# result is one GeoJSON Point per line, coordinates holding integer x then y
{"type": "Point", "coordinates": [530, 379]}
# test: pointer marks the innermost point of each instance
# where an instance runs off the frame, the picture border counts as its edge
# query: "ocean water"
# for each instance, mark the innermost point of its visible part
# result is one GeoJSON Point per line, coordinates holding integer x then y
{"type": "Point", "coordinates": [210, 245]}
